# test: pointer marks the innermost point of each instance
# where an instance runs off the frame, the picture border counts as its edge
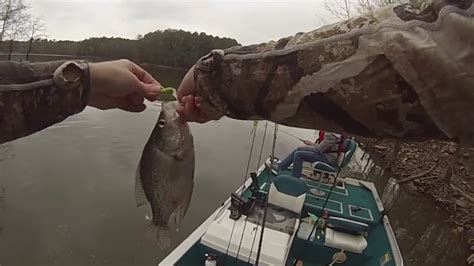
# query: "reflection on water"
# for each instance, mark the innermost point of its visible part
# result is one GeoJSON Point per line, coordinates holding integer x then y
{"type": "Point", "coordinates": [70, 191]}
{"type": "Point", "coordinates": [70, 187]}
{"type": "Point", "coordinates": [423, 236]}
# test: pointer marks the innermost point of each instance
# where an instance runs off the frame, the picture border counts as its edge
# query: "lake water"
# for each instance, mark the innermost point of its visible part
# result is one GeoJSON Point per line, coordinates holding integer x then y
{"type": "Point", "coordinates": [66, 193]}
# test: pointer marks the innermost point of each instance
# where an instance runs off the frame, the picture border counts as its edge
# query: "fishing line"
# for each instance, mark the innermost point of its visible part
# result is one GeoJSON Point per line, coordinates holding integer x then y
{"type": "Point", "coordinates": [291, 135]}
{"type": "Point", "coordinates": [263, 143]}
{"type": "Point", "coordinates": [254, 134]}
{"type": "Point", "coordinates": [272, 158]}
{"type": "Point", "coordinates": [317, 220]}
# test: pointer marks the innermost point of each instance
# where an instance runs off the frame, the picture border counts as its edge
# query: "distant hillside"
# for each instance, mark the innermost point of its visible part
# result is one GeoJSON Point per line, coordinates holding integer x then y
{"type": "Point", "coordinates": [169, 47]}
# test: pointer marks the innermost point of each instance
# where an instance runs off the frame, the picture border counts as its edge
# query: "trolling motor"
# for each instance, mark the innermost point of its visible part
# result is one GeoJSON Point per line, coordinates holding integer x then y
{"type": "Point", "coordinates": [240, 205]}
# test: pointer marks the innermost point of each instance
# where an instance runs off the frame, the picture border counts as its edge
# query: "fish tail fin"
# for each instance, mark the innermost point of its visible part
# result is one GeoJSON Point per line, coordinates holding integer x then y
{"type": "Point", "coordinates": [162, 235]}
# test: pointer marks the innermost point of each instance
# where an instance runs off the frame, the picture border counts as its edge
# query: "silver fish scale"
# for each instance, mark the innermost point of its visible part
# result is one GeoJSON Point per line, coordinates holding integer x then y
{"type": "Point", "coordinates": [165, 177]}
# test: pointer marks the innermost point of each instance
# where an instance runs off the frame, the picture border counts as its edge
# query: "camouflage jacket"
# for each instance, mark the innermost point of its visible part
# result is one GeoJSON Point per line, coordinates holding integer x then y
{"type": "Point", "coordinates": [398, 72]}
{"type": "Point", "coordinates": [35, 96]}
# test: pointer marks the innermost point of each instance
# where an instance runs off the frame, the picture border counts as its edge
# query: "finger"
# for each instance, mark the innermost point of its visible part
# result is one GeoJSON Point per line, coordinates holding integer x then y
{"type": "Point", "coordinates": [192, 113]}
{"type": "Point", "coordinates": [149, 91]}
{"type": "Point", "coordinates": [135, 99]}
{"type": "Point", "coordinates": [198, 101]}
{"type": "Point", "coordinates": [143, 75]}
{"type": "Point", "coordinates": [180, 111]}
{"type": "Point", "coordinates": [131, 104]}
{"type": "Point", "coordinates": [188, 110]}
{"type": "Point", "coordinates": [187, 85]}
{"type": "Point", "coordinates": [189, 107]}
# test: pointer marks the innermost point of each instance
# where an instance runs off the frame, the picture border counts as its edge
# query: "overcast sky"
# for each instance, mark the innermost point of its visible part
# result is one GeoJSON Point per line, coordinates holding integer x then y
{"type": "Point", "coordinates": [247, 21]}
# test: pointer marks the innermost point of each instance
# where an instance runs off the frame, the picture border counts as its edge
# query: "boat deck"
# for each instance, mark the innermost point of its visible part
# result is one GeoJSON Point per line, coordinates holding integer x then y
{"type": "Point", "coordinates": [350, 201]}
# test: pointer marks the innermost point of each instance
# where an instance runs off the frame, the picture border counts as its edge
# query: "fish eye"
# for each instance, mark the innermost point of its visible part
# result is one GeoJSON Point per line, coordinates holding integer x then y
{"type": "Point", "coordinates": [161, 123]}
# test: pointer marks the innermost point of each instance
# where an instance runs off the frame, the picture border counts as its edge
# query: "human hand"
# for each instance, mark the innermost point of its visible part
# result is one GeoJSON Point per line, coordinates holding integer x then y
{"type": "Point", "coordinates": [190, 109]}
{"type": "Point", "coordinates": [121, 84]}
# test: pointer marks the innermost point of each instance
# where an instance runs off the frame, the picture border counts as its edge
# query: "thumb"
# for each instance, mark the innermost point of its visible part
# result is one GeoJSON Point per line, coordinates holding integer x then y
{"type": "Point", "coordinates": [149, 91]}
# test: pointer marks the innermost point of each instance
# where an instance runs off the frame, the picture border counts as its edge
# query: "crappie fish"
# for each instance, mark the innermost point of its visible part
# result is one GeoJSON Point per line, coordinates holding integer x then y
{"type": "Point", "coordinates": [165, 175]}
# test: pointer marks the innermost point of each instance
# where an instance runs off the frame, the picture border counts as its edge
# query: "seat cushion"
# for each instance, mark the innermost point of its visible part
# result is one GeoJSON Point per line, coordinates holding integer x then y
{"type": "Point", "coordinates": [324, 167]}
{"type": "Point", "coordinates": [287, 192]}
{"type": "Point", "coordinates": [339, 240]}
{"type": "Point", "coordinates": [277, 218]}
{"type": "Point", "coordinates": [239, 237]}
{"type": "Point", "coordinates": [289, 185]}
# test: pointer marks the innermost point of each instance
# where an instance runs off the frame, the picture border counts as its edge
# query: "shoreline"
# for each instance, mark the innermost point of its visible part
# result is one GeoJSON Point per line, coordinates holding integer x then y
{"type": "Point", "coordinates": [425, 168]}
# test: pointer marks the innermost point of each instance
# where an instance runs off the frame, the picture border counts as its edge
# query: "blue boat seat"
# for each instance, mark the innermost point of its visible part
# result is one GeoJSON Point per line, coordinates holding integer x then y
{"type": "Point", "coordinates": [288, 193]}
{"type": "Point", "coordinates": [286, 198]}
{"type": "Point", "coordinates": [350, 146]}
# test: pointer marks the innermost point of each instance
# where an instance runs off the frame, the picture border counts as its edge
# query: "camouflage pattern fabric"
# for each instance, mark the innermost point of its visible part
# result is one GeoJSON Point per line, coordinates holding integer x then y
{"type": "Point", "coordinates": [396, 73]}
{"type": "Point", "coordinates": [35, 96]}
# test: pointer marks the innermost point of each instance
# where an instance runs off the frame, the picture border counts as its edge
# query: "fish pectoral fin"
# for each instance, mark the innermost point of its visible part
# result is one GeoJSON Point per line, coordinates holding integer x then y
{"type": "Point", "coordinates": [174, 219]}
{"type": "Point", "coordinates": [140, 198]}
{"type": "Point", "coordinates": [177, 216]}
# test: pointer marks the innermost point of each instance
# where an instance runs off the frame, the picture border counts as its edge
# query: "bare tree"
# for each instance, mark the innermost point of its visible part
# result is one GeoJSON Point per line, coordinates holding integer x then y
{"type": "Point", "coordinates": [36, 30]}
{"type": "Point", "coordinates": [341, 9]}
{"type": "Point", "coordinates": [9, 11]}
{"type": "Point", "coordinates": [17, 28]}
{"type": "Point", "coordinates": [345, 9]}
{"type": "Point", "coordinates": [5, 7]}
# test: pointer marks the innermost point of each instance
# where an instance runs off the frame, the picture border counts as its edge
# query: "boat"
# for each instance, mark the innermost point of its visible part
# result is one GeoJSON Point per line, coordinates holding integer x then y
{"type": "Point", "coordinates": [276, 219]}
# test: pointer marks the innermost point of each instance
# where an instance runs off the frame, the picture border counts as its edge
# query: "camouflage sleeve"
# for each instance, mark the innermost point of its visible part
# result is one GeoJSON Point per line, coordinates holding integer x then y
{"type": "Point", "coordinates": [34, 96]}
{"type": "Point", "coordinates": [397, 73]}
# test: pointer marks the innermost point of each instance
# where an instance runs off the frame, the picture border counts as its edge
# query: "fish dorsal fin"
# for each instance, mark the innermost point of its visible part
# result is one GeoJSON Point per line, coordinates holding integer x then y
{"type": "Point", "coordinates": [140, 197]}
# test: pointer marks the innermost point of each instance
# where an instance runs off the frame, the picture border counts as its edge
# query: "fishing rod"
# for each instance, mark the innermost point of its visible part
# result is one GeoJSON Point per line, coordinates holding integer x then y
{"type": "Point", "coordinates": [289, 134]}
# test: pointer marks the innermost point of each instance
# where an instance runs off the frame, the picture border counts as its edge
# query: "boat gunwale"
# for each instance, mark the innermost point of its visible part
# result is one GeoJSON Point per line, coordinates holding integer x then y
{"type": "Point", "coordinates": [386, 222]}
{"type": "Point", "coordinates": [196, 235]}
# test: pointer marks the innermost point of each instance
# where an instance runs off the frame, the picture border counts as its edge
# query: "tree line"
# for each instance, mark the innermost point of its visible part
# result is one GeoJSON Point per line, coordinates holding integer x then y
{"type": "Point", "coordinates": [18, 24]}
{"type": "Point", "coordinates": [23, 33]}
{"type": "Point", "coordinates": [168, 47]}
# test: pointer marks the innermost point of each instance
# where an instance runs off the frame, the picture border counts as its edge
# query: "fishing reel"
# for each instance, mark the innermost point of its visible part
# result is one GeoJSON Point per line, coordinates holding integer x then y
{"type": "Point", "coordinates": [240, 205]}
